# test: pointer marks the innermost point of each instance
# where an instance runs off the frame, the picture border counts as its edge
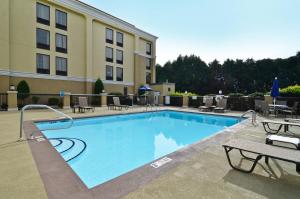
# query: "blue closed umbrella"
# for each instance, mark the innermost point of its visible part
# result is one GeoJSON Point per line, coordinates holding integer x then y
{"type": "Point", "coordinates": [145, 88]}
{"type": "Point", "coordinates": [275, 89]}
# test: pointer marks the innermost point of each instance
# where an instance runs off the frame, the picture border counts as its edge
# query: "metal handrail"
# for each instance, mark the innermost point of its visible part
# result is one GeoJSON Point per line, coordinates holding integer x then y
{"type": "Point", "coordinates": [43, 106]}
{"type": "Point", "coordinates": [253, 116]}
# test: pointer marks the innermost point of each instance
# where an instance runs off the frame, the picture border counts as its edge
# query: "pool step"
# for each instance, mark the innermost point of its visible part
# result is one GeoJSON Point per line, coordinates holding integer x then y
{"type": "Point", "coordinates": [69, 148]}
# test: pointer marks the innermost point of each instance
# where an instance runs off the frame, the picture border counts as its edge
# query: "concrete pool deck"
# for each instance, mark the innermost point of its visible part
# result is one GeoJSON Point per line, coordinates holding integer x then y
{"type": "Point", "coordinates": [204, 174]}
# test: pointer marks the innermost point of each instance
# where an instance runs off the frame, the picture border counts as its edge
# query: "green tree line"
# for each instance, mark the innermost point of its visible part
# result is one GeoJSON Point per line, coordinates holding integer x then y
{"type": "Point", "coordinates": [192, 74]}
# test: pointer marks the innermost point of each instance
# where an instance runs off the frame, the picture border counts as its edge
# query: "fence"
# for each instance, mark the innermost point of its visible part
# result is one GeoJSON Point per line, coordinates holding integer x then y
{"type": "Point", "coordinates": [195, 101]}
{"type": "Point", "coordinates": [124, 100]}
{"type": "Point", "coordinates": [174, 101]}
{"type": "Point", "coordinates": [3, 101]}
{"type": "Point", "coordinates": [235, 103]}
{"type": "Point", "coordinates": [93, 99]}
{"type": "Point", "coordinates": [290, 101]}
{"type": "Point", "coordinates": [53, 100]}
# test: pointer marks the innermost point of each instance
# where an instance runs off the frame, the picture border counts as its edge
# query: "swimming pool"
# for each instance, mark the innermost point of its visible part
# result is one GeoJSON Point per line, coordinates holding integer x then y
{"type": "Point", "coordinates": [99, 149]}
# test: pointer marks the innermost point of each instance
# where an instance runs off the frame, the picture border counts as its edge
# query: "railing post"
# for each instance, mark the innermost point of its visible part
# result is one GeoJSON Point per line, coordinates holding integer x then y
{"type": "Point", "coordinates": [12, 100]}
{"type": "Point", "coordinates": [103, 99]}
{"type": "Point", "coordinates": [67, 101]}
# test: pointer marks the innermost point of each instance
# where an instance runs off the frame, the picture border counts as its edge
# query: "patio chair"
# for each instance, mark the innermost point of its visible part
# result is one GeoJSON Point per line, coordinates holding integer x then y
{"type": "Point", "coordinates": [117, 103]}
{"type": "Point", "coordinates": [260, 150]}
{"type": "Point", "coordinates": [292, 111]}
{"type": "Point", "coordinates": [83, 105]}
{"type": "Point", "coordinates": [221, 106]}
{"type": "Point", "coordinates": [280, 124]}
{"type": "Point", "coordinates": [283, 139]}
{"type": "Point", "coordinates": [208, 104]}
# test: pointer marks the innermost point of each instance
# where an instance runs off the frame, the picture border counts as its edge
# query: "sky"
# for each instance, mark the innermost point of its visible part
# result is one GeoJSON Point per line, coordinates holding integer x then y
{"type": "Point", "coordinates": [214, 29]}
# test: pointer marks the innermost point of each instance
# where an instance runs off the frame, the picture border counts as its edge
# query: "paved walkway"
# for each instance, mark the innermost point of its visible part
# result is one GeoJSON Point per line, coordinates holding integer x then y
{"type": "Point", "coordinates": [203, 175]}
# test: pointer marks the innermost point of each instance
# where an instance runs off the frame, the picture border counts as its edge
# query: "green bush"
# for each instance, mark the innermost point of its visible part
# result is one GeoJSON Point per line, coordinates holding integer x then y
{"type": "Point", "coordinates": [98, 87]}
{"type": "Point", "coordinates": [257, 95]}
{"type": "Point", "coordinates": [23, 90]}
{"type": "Point", "coordinates": [53, 101]}
{"type": "Point", "coordinates": [290, 91]}
{"type": "Point", "coordinates": [180, 94]}
{"type": "Point", "coordinates": [35, 99]}
{"type": "Point", "coordinates": [235, 94]}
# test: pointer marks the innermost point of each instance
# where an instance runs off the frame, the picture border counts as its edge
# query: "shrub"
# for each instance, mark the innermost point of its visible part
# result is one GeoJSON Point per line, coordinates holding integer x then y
{"type": "Point", "coordinates": [235, 94]}
{"type": "Point", "coordinates": [257, 95]}
{"type": "Point", "coordinates": [180, 94]}
{"type": "Point", "coordinates": [23, 90]}
{"type": "Point", "coordinates": [98, 87]}
{"type": "Point", "coordinates": [35, 99]}
{"type": "Point", "coordinates": [290, 91]}
{"type": "Point", "coordinates": [53, 101]}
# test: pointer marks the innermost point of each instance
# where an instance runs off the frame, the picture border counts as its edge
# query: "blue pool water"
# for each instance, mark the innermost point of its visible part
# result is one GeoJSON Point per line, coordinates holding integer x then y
{"type": "Point", "coordinates": [110, 146]}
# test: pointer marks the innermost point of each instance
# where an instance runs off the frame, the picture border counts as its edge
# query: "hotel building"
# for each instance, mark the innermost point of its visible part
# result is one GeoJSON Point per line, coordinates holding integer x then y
{"type": "Point", "coordinates": [67, 45]}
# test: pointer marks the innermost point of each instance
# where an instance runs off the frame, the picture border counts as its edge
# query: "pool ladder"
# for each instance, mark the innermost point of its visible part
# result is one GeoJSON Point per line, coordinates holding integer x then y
{"type": "Point", "coordinates": [253, 115]}
{"type": "Point", "coordinates": [43, 106]}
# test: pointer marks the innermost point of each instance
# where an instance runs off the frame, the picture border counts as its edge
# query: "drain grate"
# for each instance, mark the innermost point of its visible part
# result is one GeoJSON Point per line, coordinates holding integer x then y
{"type": "Point", "coordinates": [161, 162]}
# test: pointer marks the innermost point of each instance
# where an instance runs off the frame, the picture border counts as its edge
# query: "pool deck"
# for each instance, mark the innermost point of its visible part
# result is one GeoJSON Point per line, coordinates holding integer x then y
{"type": "Point", "coordinates": [203, 173]}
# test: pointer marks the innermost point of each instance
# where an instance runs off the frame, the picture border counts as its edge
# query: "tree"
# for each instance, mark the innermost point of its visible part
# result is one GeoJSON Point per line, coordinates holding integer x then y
{"type": "Point", "coordinates": [98, 86]}
{"type": "Point", "coordinates": [23, 90]}
{"type": "Point", "coordinates": [192, 74]}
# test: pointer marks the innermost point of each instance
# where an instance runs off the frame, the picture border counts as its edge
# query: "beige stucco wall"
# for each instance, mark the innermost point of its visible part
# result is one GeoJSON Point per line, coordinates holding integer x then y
{"type": "Point", "coordinates": [140, 71]}
{"type": "Point", "coordinates": [86, 49]}
{"type": "Point", "coordinates": [4, 35]}
{"type": "Point", "coordinates": [112, 88]}
{"type": "Point", "coordinates": [4, 84]}
{"type": "Point", "coordinates": [54, 86]}
{"type": "Point", "coordinates": [164, 88]}
{"type": "Point", "coordinates": [142, 45]}
{"type": "Point", "coordinates": [99, 45]}
{"type": "Point", "coordinates": [50, 86]}
{"type": "Point", "coordinates": [23, 39]}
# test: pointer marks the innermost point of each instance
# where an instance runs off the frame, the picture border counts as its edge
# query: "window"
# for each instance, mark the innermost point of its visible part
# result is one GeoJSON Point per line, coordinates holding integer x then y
{"type": "Point", "coordinates": [148, 49]}
{"type": "Point", "coordinates": [119, 56]}
{"type": "Point", "coordinates": [119, 74]}
{"type": "Point", "coordinates": [61, 43]}
{"type": "Point", "coordinates": [61, 66]}
{"type": "Point", "coordinates": [42, 14]}
{"type": "Point", "coordinates": [109, 73]}
{"type": "Point", "coordinates": [169, 89]}
{"type": "Point", "coordinates": [43, 64]}
{"type": "Point", "coordinates": [148, 78]}
{"type": "Point", "coordinates": [109, 36]}
{"type": "Point", "coordinates": [61, 20]}
{"type": "Point", "coordinates": [109, 54]}
{"type": "Point", "coordinates": [42, 39]}
{"type": "Point", "coordinates": [148, 64]}
{"type": "Point", "coordinates": [119, 39]}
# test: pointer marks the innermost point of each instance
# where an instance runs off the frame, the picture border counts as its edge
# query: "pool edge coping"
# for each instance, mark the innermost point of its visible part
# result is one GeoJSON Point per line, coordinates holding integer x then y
{"type": "Point", "coordinates": [71, 186]}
